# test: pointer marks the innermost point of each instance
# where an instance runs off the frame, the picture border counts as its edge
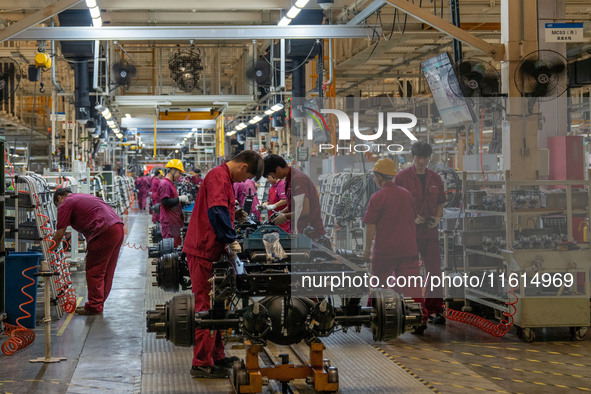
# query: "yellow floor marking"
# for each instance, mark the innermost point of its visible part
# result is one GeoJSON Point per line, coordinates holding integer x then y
{"type": "Point", "coordinates": [540, 383]}
{"type": "Point", "coordinates": [584, 388]}
{"type": "Point", "coordinates": [70, 315]}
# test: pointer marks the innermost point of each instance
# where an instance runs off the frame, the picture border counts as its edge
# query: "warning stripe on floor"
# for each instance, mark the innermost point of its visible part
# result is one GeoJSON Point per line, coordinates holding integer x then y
{"type": "Point", "coordinates": [491, 356]}
{"type": "Point", "coordinates": [521, 350]}
{"type": "Point", "coordinates": [406, 369]}
{"type": "Point", "coordinates": [53, 381]}
{"type": "Point", "coordinates": [492, 366]}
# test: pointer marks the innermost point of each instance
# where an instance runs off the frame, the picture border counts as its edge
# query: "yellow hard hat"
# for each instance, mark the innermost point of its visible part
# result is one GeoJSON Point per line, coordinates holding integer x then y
{"type": "Point", "coordinates": [176, 163]}
{"type": "Point", "coordinates": [385, 166]}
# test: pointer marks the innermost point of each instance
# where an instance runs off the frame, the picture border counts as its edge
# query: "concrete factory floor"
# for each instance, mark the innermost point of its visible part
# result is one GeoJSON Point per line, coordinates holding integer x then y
{"type": "Point", "coordinates": [114, 353]}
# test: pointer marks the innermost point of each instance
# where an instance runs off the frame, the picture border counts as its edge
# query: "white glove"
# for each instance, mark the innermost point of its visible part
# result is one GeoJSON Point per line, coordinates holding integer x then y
{"type": "Point", "coordinates": [420, 220]}
{"type": "Point", "coordinates": [184, 199]}
{"type": "Point", "coordinates": [433, 222]}
{"type": "Point", "coordinates": [278, 219]}
{"type": "Point", "coordinates": [270, 207]}
{"type": "Point", "coordinates": [235, 247]}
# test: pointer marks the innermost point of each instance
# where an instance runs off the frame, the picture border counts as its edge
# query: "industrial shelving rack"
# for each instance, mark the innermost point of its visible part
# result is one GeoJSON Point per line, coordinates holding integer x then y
{"type": "Point", "coordinates": [554, 305]}
{"type": "Point", "coordinates": [31, 199]}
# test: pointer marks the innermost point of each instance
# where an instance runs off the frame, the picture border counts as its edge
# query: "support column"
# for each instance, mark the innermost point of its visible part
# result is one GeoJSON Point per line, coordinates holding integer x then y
{"type": "Point", "coordinates": [554, 112]}
{"type": "Point", "coordinates": [519, 34]}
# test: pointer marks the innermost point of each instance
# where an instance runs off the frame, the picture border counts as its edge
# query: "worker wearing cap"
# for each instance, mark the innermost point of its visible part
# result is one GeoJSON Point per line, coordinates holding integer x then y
{"type": "Point", "coordinates": [171, 211]}
{"type": "Point", "coordinates": [426, 187]}
{"type": "Point", "coordinates": [103, 230]}
{"type": "Point", "coordinates": [299, 190]}
{"type": "Point", "coordinates": [210, 230]}
{"type": "Point", "coordinates": [155, 197]}
{"type": "Point", "coordinates": [389, 225]}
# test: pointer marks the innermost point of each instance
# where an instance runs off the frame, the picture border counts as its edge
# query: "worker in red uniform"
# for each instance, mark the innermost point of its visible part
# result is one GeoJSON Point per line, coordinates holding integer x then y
{"type": "Point", "coordinates": [390, 226]}
{"type": "Point", "coordinates": [103, 230]}
{"type": "Point", "coordinates": [426, 186]}
{"type": "Point", "coordinates": [210, 230]}
{"type": "Point", "coordinates": [142, 185]}
{"type": "Point", "coordinates": [195, 177]}
{"type": "Point", "coordinates": [242, 190]}
{"type": "Point", "coordinates": [154, 196]}
{"type": "Point", "coordinates": [300, 194]}
{"type": "Point", "coordinates": [171, 210]}
{"type": "Point", "coordinates": [276, 201]}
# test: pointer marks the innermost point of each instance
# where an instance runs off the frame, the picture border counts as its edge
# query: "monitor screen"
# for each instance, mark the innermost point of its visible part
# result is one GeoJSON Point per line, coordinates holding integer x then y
{"type": "Point", "coordinates": [443, 82]}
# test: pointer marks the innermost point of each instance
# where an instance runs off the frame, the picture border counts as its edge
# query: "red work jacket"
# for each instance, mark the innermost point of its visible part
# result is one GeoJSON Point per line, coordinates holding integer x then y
{"type": "Point", "coordinates": [216, 191]}
{"type": "Point", "coordinates": [154, 189]}
{"type": "Point", "coordinates": [171, 217]}
{"type": "Point", "coordinates": [298, 183]}
{"type": "Point", "coordinates": [427, 200]}
{"type": "Point", "coordinates": [392, 210]}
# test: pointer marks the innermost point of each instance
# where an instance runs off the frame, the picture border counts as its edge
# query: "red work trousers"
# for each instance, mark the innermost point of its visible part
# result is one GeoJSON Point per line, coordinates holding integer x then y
{"type": "Point", "coordinates": [207, 348]}
{"type": "Point", "coordinates": [168, 232]}
{"type": "Point", "coordinates": [141, 200]}
{"type": "Point", "coordinates": [102, 253]}
{"type": "Point", "coordinates": [403, 274]}
{"type": "Point", "coordinates": [155, 217]}
{"type": "Point", "coordinates": [430, 254]}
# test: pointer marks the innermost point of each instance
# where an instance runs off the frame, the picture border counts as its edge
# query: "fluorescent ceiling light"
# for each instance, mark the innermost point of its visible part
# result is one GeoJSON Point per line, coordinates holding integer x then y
{"type": "Point", "coordinates": [91, 3]}
{"type": "Point", "coordinates": [128, 116]}
{"type": "Point", "coordinates": [269, 112]}
{"type": "Point", "coordinates": [97, 22]}
{"type": "Point", "coordinates": [193, 129]}
{"type": "Point", "coordinates": [242, 125]}
{"type": "Point", "coordinates": [487, 131]}
{"type": "Point", "coordinates": [231, 133]}
{"type": "Point", "coordinates": [95, 12]}
{"type": "Point", "coordinates": [293, 12]}
{"type": "Point", "coordinates": [105, 111]}
{"type": "Point", "coordinates": [284, 21]}
{"type": "Point", "coordinates": [276, 107]}
{"type": "Point", "coordinates": [301, 3]}
{"type": "Point", "coordinates": [255, 119]}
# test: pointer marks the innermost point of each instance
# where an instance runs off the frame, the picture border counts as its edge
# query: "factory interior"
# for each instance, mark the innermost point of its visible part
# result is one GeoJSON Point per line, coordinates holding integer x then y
{"type": "Point", "coordinates": [295, 196]}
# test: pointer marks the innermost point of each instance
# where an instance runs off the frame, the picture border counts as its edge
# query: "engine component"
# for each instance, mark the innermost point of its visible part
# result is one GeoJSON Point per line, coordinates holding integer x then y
{"type": "Point", "coordinates": [171, 272]}
{"type": "Point", "coordinates": [164, 246]}
{"type": "Point", "coordinates": [156, 233]}
{"type": "Point", "coordinates": [286, 320]}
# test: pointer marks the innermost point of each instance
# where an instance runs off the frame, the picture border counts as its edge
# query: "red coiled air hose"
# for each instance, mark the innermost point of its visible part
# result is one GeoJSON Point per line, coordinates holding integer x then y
{"type": "Point", "coordinates": [495, 329]}
{"type": "Point", "coordinates": [20, 337]}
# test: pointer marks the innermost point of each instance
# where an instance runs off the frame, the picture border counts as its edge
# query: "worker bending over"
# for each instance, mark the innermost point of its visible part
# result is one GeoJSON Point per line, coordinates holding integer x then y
{"type": "Point", "coordinates": [171, 210]}
{"type": "Point", "coordinates": [300, 192]}
{"type": "Point", "coordinates": [243, 190]}
{"type": "Point", "coordinates": [426, 187]}
{"type": "Point", "coordinates": [210, 230]}
{"type": "Point", "coordinates": [390, 225]}
{"type": "Point", "coordinates": [103, 230]}
{"type": "Point", "coordinates": [276, 201]}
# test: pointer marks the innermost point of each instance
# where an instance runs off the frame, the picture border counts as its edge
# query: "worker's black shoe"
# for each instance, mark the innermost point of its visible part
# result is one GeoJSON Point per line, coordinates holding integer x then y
{"type": "Point", "coordinates": [226, 362]}
{"type": "Point", "coordinates": [437, 319]}
{"type": "Point", "coordinates": [214, 372]}
{"type": "Point", "coordinates": [419, 330]}
{"type": "Point", "coordinates": [81, 311]}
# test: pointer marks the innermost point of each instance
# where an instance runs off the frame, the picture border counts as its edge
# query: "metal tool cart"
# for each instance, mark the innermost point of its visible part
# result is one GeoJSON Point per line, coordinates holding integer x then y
{"type": "Point", "coordinates": [526, 251]}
